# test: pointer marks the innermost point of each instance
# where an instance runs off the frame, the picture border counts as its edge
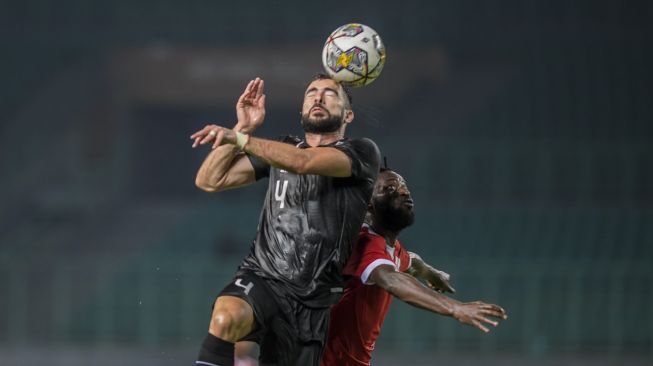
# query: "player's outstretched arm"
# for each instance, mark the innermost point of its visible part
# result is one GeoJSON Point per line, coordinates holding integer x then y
{"type": "Point", "coordinates": [411, 291]}
{"type": "Point", "coordinates": [434, 278]}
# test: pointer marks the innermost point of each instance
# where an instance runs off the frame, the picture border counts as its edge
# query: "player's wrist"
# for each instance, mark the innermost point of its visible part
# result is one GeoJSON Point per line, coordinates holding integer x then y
{"type": "Point", "coordinates": [241, 140]}
{"type": "Point", "coordinates": [244, 128]}
{"type": "Point", "coordinates": [456, 311]}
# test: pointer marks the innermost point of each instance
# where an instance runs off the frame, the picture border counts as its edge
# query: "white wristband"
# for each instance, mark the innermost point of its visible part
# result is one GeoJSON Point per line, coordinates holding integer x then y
{"type": "Point", "coordinates": [241, 140]}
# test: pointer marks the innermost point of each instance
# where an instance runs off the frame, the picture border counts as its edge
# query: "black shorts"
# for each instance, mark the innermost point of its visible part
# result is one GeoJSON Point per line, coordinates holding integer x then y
{"type": "Point", "coordinates": [288, 332]}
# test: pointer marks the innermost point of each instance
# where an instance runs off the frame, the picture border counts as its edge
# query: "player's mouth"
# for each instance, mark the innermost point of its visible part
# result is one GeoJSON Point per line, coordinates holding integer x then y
{"type": "Point", "coordinates": [318, 110]}
{"type": "Point", "coordinates": [409, 203]}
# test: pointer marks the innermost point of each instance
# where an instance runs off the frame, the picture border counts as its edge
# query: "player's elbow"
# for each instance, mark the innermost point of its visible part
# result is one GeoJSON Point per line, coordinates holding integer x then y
{"type": "Point", "coordinates": [205, 185]}
{"type": "Point", "coordinates": [300, 168]}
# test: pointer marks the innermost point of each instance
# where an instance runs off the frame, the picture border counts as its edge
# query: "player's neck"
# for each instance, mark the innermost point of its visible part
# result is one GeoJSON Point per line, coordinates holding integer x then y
{"type": "Point", "coordinates": [389, 235]}
{"type": "Point", "coordinates": [314, 139]}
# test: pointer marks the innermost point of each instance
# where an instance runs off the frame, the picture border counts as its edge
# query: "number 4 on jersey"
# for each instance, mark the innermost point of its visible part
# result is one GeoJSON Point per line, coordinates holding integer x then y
{"type": "Point", "coordinates": [281, 196]}
{"type": "Point", "coordinates": [247, 287]}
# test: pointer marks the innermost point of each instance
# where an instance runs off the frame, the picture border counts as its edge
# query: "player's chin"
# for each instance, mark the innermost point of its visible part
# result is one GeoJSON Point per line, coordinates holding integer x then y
{"type": "Point", "coordinates": [405, 214]}
{"type": "Point", "coordinates": [410, 215]}
{"type": "Point", "coordinates": [405, 207]}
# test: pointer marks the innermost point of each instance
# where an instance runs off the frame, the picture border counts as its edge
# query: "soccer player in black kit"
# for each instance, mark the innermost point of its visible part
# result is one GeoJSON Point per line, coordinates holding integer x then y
{"type": "Point", "coordinates": [318, 192]}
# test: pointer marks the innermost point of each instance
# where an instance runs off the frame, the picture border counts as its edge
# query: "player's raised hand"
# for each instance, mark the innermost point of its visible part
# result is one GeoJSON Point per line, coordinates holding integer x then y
{"type": "Point", "coordinates": [250, 108]}
{"type": "Point", "coordinates": [479, 314]}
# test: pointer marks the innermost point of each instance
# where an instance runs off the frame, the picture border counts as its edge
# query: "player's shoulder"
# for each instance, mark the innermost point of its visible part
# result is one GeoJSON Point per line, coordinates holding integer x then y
{"type": "Point", "coordinates": [369, 240]}
{"type": "Point", "coordinates": [364, 149]}
{"type": "Point", "coordinates": [361, 143]}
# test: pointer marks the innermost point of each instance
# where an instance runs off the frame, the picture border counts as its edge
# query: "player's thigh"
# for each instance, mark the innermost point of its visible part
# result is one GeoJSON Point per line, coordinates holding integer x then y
{"type": "Point", "coordinates": [281, 346]}
{"type": "Point", "coordinates": [286, 353]}
{"type": "Point", "coordinates": [268, 350]}
{"type": "Point", "coordinates": [310, 353]}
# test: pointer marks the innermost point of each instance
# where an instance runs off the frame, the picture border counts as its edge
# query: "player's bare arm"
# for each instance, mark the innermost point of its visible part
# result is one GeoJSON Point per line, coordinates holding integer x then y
{"type": "Point", "coordinates": [434, 278]}
{"type": "Point", "coordinates": [411, 291]}
{"type": "Point", "coordinates": [326, 161]}
{"type": "Point", "coordinates": [225, 167]}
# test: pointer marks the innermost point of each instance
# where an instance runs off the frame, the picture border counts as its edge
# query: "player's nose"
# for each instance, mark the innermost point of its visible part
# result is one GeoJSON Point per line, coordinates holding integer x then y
{"type": "Point", "coordinates": [319, 97]}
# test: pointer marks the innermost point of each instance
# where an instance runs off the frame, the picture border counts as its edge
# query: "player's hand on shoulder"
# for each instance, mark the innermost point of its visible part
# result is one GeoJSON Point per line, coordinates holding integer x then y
{"type": "Point", "coordinates": [250, 108]}
{"type": "Point", "coordinates": [217, 135]}
{"type": "Point", "coordinates": [479, 314]}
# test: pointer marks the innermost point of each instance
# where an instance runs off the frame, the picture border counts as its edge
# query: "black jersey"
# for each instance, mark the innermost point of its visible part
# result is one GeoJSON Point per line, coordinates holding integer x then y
{"type": "Point", "coordinates": [309, 223]}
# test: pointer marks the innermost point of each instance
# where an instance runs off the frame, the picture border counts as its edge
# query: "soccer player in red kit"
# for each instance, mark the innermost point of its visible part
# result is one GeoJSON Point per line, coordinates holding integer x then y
{"type": "Point", "coordinates": [377, 271]}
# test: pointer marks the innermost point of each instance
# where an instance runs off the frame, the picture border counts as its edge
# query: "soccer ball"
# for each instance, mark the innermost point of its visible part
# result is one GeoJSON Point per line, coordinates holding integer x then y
{"type": "Point", "coordinates": [353, 55]}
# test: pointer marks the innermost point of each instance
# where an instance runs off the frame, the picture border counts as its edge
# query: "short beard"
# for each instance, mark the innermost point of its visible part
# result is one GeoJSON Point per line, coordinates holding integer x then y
{"type": "Point", "coordinates": [393, 219]}
{"type": "Point", "coordinates": [329, 124]}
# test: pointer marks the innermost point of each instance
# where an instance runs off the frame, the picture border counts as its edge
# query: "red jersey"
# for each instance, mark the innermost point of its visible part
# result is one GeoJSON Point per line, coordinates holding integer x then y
{"type": "Point", "coordinates": [357, 318]}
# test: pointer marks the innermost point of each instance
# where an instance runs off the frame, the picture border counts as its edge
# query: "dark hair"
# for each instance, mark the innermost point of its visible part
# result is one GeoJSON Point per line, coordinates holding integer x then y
{"type": "Point", "coordinates": [323, 76]}
{"type": "Point", "coordinates": [385, 168]}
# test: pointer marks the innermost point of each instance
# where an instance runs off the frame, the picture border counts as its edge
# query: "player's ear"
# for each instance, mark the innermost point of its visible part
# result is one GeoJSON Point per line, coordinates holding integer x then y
{"type": "Point", "coordinates": [368, 217]}
{"type": "Point", "coordinates": [349, 116]}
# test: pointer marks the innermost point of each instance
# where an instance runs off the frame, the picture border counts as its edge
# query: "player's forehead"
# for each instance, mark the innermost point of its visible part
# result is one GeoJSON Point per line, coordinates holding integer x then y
{"type": "Point", "coordinates": [321, 84]}
{"type": "Point", "coordinates": [389, 177]}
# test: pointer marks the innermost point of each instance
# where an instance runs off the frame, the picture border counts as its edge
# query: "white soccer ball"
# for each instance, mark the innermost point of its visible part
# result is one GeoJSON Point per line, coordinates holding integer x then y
{"type": "Point", "coordinates": [353, 55]}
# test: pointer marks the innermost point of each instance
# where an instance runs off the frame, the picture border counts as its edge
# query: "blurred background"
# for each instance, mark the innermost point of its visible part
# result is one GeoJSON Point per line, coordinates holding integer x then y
{"type": "Point", "coordinates": [524, 130]}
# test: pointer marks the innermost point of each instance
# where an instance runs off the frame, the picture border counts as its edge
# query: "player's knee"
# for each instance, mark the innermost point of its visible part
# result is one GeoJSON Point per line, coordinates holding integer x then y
{"type": "Point", "coordinates": [232, 318]}
{"type": "Point", "coordinates": [223, 325]}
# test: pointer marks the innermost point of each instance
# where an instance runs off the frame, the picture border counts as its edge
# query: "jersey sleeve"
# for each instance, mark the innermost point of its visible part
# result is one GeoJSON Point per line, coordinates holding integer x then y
{"type": "Point", "coordinates": [404, 259]}
{"type": "Point", "coordinates": [369, 253]}
{"type": "Point", "coordinates": [364, 155]}
{"type": "Point", "coordinates": [261, 168]}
